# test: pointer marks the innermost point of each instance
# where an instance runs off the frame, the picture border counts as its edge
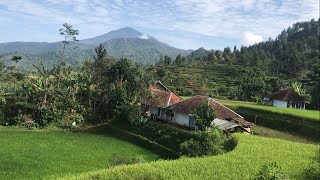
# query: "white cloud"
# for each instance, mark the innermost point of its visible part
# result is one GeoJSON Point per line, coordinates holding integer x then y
{"type": "Point", "coordinates": [214, 18]}
{"type": "Point", "coordinates": [144, 36]}
{"type": "Point", "coordinates": [249, 38]}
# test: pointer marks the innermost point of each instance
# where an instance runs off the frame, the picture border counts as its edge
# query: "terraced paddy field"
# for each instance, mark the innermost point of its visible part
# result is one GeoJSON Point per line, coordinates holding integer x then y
{"type": "Point", "coordinates": [310, 114]}
{"type": "Point", "coordinates": [43, 154]}
{"type": "Point", "coordinates": [244, 162]}
{"type": "Point", "coordinates": [201, 79]}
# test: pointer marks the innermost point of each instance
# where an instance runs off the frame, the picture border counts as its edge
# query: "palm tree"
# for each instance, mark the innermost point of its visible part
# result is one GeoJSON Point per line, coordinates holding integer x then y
{"type": "Point", "coordinates": [2, 98]}
{"type": "Point", "coordinates": [297, 87]}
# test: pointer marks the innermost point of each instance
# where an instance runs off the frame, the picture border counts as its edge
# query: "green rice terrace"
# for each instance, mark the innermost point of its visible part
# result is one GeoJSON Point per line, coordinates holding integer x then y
{"type": "Point", "coordinates": [51, 154]}
{"type": "Point", "coordinates": [209, 79]}
{"type": "Point", "coordinates": [41, 154]}
{"type": "Point", "coordinates": [242, 163]}
{"type": "Point", "coordinates": [310, 114]}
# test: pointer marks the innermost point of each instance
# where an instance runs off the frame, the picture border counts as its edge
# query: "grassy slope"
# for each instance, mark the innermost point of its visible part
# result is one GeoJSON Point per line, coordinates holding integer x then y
{"type": "Point", "coordinates": [242, 163]}
{"type": "Point", "coordinates": [38, 154]}
{"type": "Point", "coordinates": [200, 78]}
{"type": "Point", "coordinates": [311, 114]}
{"type": "Point", "coordinates": [268, 132]}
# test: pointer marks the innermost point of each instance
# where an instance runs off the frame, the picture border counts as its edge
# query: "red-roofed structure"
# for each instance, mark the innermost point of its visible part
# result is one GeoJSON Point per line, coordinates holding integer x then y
{"type": "Point", "coordinates": [164, 105]}
{"type": "Point", "coordinates": [286, 98]}
{"type": "Point", "coordinates": [160, 97]}
{"type": "Point", "coordinates": [183, 111]}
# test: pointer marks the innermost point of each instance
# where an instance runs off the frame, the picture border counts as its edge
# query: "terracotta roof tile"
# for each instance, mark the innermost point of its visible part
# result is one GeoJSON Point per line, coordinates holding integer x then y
{"type": "Point", "coordinates": [188, 106]}
{"type": "Point", "coordinates": [161, 97]}
{"type": "Point", "coordinates": [287, 95]}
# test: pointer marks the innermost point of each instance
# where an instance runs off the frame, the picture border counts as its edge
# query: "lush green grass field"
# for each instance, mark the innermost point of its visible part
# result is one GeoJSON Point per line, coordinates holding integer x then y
{"type": "Point", "coordinates": [39, 154]}
{"type": "Point", "coordinates": [310, 114]}
{"type": "Point", "coordinates": [268, 132]}
{"type": "Point", "coordinates": [243, 162]}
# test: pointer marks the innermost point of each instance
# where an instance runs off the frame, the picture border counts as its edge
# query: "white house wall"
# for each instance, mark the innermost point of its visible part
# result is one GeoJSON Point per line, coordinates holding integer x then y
{"type": "Point", "coordinates": [153, 110]}
{"type": "Point", "coordinates": [280, 103]}
{"type": "Point", "coordinates": [181, 119]}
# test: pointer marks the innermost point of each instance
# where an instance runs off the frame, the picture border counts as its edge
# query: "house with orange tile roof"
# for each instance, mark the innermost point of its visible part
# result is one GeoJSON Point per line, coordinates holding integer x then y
{"type": "Point", "coordinates": [226, 119]}
{"type": "Point", "coordinates": [166, 106]}
{"type": "Point", "coordinates": [159, 98]}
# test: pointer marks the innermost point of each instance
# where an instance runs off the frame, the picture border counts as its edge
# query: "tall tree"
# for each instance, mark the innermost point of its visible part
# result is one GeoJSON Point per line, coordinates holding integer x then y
{"type": "Point", "coordinates": [203, 116]}
{"type": "Point", "coordinates": [70, 35]}
{"type": "Point", "coordinates": [167, 60]}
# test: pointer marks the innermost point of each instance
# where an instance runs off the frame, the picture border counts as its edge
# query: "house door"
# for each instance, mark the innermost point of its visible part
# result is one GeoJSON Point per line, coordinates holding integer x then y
{"type": "Point", "coordinates": [191, 122]}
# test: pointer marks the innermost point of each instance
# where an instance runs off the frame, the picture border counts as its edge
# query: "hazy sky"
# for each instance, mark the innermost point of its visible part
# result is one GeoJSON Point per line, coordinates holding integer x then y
{"type": "Point", "coordinates": [187, 24]}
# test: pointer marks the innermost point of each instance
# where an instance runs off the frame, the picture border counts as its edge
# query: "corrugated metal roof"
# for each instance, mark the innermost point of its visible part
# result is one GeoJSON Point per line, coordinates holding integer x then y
{"type": "Point", "coordinates": [224, 124]}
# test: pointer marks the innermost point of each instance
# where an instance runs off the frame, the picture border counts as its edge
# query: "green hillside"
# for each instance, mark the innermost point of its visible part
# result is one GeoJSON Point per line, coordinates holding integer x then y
{"type": "Point", "coordinates": [210, 79]}
{"type": "Point", "coordinates": [40, 154]}
{"type": "Point", "coordinates": [243, 162]}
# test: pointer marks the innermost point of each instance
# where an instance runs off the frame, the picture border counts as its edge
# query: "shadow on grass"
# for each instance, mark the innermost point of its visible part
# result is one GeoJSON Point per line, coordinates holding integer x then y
{"type": "Point", "coordinates": [122, 134]}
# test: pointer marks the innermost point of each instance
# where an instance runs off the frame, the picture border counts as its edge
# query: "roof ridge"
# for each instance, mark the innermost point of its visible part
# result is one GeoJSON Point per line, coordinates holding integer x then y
{"type": "Point", "coordinates": [158, 81]}
{"type": "Point", "coordinates": [227, 108]}
{"type": "Point", "coordinates": [169, 99]}
{"type": "Point", "coordinates": [185, 100]}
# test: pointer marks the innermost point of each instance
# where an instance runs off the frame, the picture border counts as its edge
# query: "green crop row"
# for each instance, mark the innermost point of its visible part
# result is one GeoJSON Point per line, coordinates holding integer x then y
{"type": "Point", "coordinates": [244, 162]}
{"type": "Point", "coordinates": [41, 154]}
{"type": "Point", "coordinates": [309, 115]}
{"type": "Point", "coordinates": [291, 123]}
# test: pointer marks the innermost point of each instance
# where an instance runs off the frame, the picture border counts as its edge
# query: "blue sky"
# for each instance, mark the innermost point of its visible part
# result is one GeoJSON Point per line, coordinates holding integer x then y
{"type": "Point", "coordinates": [187, 24]}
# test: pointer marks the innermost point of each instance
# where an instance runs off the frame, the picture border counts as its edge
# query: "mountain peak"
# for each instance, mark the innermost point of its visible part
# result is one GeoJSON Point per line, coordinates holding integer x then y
{"type": "Point", "coordinates": [125, 32]}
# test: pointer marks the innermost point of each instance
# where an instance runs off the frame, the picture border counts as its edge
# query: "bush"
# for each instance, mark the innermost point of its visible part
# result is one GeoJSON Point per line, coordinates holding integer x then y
{"type": "Point", "coordinates": [271, 171]}
{"type": "Point", "coordinates": [204, 143]}
{"type": "Point", "coordinates": [203, 116]}
{"type": "Point", "coordinates": [187, 92]}
{"type": "Point", "coordinates": [26, 121]}
{"type": "Point", "coordinates": [130, 113]}
{"type": "Point", "coordinates": [163, 134]}
{"type": "Point", "coordinates": [313, 171]}
{"type": "Point", "coordinates": [117, 160]}
{"type": "Point", "coordinates": [75, 119]}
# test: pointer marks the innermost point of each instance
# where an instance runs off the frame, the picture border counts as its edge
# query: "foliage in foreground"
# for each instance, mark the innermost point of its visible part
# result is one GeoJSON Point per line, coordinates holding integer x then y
{"type": "Point", "coordinates": [67, 97]}
{"type": "Point", "coordinates": [312, 172]}
{"type": "Point", "coordinates": [271, 171]}
{"type": "Point", "coordinates": [183, 142]}
{"type": "Point", "coordinates": [203, 116]}
{"type": "Point", "coordinates": [243, 162]}
{"type": "Point", "coordinates": [204, 144]}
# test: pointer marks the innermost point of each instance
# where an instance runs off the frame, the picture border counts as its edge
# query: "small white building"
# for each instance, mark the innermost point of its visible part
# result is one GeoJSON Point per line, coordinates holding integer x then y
{"type": "Point", "coordinates": [285, 99]}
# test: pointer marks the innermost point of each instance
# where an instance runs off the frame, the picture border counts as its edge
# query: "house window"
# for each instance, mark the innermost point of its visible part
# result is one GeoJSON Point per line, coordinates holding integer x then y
{"type": "Point", "coordinates": [159, 111]}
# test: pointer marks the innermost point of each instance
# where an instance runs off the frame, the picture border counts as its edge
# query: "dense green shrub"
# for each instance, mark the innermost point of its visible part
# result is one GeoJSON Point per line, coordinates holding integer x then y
{"type": "Point", "coordinates": [130, 114]}
{"type": "Point", "coordinates": [163, 134]}
{"type": "Point", "coordinates": [204, 143]}
{"type": "Point", "coordinates": [186, 92]}
{"type": "Point", "coordinates": [118, 160]}
{"type": "Point", "coordinates": [26, 121]}
{"type": "Point", "coordinates": [271, 171]}
{"type": "Point", "coordinates": [203, 116]}
{"type": "Point", "coordinates": [312, 172]}
{"type": "Point", "coordinates": [181, 141]}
